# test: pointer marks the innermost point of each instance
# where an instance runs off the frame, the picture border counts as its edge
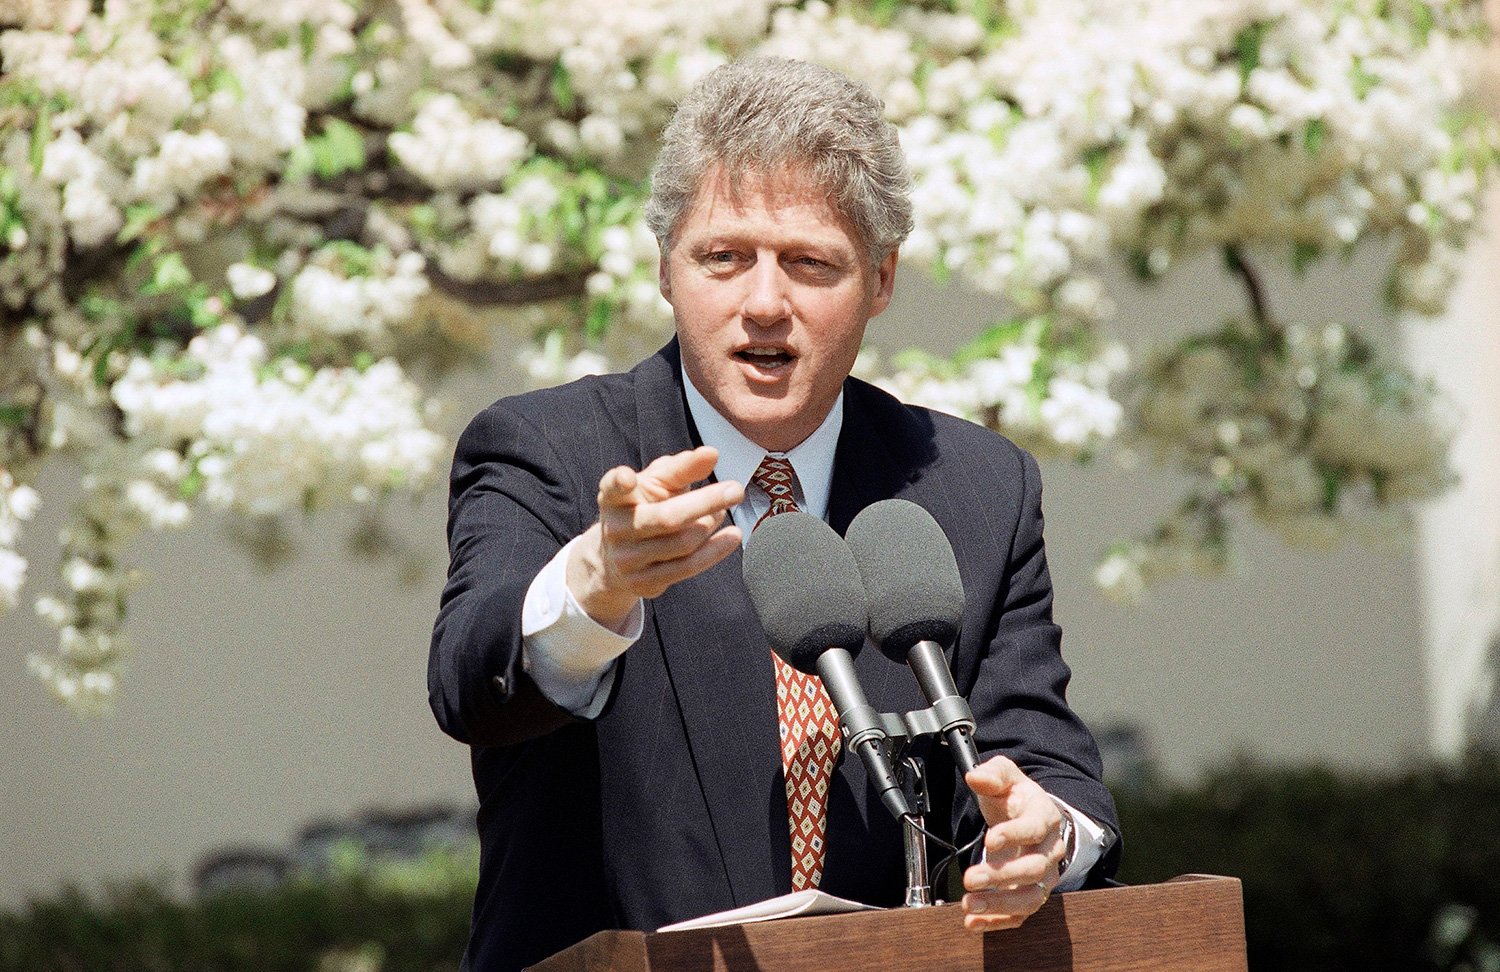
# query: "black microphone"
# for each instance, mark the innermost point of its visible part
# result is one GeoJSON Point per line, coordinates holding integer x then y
{"type": "Point", "coordinates": [806, 589]}
{"type": "Point", "coordinates": [916, 602]}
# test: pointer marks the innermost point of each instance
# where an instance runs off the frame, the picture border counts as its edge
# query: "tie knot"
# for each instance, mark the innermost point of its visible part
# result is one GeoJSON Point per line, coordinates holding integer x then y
{"type": "Point", "coordinates": [776, 476]}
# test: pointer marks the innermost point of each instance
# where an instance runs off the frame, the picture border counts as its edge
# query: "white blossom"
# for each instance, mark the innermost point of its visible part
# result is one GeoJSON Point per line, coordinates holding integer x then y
{"type": "Point", "coordinates": [267, 443]}
{"type": "Point", "coordinates": [247, 282]}
{"type": "Point", "coordinates": [325, 301]}
{"type": "Point", "coordinates": [549, 363]}
{"type": "Point", "coordinates": [184, 163]}
{"type": "Point", "coordinates": [12, 578]}
{"type": "Point", "coordinates": [448, 148]}
{"type": "Point", "coordinates": [1121, 578]}
{"type": "Point", "coordinates": [1076, 414]}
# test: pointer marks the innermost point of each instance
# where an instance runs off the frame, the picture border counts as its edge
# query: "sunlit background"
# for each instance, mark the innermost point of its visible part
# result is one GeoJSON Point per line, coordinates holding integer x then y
{"type": "Point", "coordinates": [1280, 592]}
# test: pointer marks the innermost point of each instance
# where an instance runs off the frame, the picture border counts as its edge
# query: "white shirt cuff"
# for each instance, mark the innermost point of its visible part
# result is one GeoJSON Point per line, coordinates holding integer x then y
{"type": "Point", "coordinates": [1090, 843]}
{"type": "Point", "coordinates": [569, 655]}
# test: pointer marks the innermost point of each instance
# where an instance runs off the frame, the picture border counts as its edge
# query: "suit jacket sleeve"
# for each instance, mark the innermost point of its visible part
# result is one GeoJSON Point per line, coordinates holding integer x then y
{"type": "Point", "coordinates": [512, 505]}
{"type": "Point", "coordinates": [1019, 693]}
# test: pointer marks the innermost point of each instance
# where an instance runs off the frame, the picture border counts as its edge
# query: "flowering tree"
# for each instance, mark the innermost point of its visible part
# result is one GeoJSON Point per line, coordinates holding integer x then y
{"type": "Point", "coordinates": [238, 237]}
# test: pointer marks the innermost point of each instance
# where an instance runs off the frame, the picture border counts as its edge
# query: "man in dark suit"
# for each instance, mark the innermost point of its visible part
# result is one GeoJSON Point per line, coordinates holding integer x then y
{"type": "Point", "coordinates": [640, 756]}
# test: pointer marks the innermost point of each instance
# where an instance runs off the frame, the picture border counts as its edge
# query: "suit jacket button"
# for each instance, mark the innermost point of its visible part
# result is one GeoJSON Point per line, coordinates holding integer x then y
{"type": "Point", "coordinates": [502, 684]}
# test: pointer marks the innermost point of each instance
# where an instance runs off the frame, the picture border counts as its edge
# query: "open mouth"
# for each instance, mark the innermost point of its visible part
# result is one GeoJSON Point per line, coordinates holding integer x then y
{"type": "Point", "coordinates": [765, 358]}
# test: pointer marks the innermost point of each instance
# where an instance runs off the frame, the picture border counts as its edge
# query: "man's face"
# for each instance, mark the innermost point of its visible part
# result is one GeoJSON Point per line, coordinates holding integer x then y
{"type": "Point", "coordinates": [771, 289]}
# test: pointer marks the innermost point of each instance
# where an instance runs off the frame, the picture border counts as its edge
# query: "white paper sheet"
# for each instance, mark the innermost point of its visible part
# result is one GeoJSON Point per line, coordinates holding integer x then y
{"type": "Point", "coordinates": [798, 904]}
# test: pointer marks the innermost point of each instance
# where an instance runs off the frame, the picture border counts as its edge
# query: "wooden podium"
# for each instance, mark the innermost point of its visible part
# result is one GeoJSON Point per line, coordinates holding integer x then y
{"type": "Point", "coordinates": [1193, 923]}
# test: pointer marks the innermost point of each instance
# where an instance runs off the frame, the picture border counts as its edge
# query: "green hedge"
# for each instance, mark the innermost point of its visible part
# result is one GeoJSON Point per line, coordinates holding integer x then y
{"type": "Point", "coordinates": [1358, 872]}
{"type": "Point", "coordinates": [392, 916]}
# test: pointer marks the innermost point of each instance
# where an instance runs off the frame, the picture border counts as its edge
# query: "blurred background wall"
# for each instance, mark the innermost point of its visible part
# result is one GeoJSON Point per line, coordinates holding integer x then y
{"type": "Point", "coordinates": [260, 700]}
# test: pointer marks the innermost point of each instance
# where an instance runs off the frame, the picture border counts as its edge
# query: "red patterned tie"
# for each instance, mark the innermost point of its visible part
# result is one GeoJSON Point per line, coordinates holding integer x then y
{"type": "Point", "coordinates": [809, 725]}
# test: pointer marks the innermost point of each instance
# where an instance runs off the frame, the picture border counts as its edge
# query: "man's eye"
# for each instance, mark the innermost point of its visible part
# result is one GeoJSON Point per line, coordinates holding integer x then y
{"type": "Point", "coordinates": [722, 256]}
{"type": "Point", "coordinates": [812, 265]}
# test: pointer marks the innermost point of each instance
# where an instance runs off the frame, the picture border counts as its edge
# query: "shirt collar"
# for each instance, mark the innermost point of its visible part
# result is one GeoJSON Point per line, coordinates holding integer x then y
{"type": "Point", "coordinates": [812, 458]}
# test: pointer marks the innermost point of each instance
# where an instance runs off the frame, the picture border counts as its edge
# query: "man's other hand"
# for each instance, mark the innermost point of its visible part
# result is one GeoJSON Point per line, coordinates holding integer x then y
{"type": "Point", "coordinates": [1021, 849]}
{"type": "Point", "coordinates": [653, 531]}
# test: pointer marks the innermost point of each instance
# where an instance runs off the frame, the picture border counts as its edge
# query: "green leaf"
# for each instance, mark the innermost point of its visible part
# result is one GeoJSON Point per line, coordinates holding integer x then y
{"type": "Point", "coordinates": [1304, 255]}
{"type": "Point", "coordinates": [144, 250]}
{"type": "Point", "coordinates": [423, 220]}
{"type": "Point", "coordinates": [593, 185]}
{"type": "Point", "coordinates": [340, 149]}
{"type": "Point", "coordinates": [171, 274]}
{"type": "Point", "coordinates": [201, 313]}
{"type": "Point", "coordinates": [41, 133]}
{"type": "Point", "coordinates": [993, 339]}
{"type": "Point", "coordinates": [1095, 160]}
{"type": "Point", "coordinates": [191, 485]}
{"type": "Point", "coordinates": [137, 217]}
{"type": "Point", "coordinates": [1422, 21]}
{"type": "Point", "coordinates": [96, 308]}
{"type": "Point", "coordinates": [363, 360]}
{"type": "Point", "coordinates": [918, 360]}
{"type": "Point", "coordinates": [1247, 48]}
{"type": "Point", "coordinates": [14, 416]}
{"type": "Point", "coordinates": [618, 211]}
{"type": "Point", "coordinates": [601, 313]}
{"type": "Point", "coordinates": [223, 79]}
{"type": "Point", "coordinates": [562, 89]}
{"type": "Point", "coordinates": [356, 260]}
{"type": "Point", "coordinates": [572, 224]}
{"type": "Point", "coordinates": [324, 164]}
{"type": "Point", "coordinates": [1361, 80]}
{"type": "Point", "coordinates": [1179, 226]}
{"type": "Point", "coordinates": [19, 93]}
{"type": "Point", "coordinates": [883, 12]}
{"type": "Point", "coordinates": [300, 163]}
{"type": "Point", "coordinates": [119, 339]}
{"type": "Point", "coordinates": [298, 351]}
{"type": "Point", "coordinates": [1332, 486]}
{"type": "Point", "coordinates": [1314, 134]}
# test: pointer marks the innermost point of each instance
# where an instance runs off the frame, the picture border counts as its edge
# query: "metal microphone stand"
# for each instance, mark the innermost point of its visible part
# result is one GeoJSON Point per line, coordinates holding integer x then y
{"type": "Point", "coordinates": [901, 729]}
{"type": "Point", "coordinates": [913, 778]}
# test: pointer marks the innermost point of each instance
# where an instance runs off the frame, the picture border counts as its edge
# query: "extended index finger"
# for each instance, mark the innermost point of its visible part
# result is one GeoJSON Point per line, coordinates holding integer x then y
{"type": "Point", "coordinates": [700, 505]}
{"type": "Point", "coordinates": [671, 474]}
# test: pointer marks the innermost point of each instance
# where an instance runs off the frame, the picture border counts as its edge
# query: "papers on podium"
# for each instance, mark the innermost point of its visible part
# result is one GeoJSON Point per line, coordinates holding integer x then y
{"type": "Point", "coordinates": [798, 904]}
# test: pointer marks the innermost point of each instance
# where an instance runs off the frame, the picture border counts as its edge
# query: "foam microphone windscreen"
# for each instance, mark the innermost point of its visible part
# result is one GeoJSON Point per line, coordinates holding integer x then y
{"type": "Point", "coordinates": [805, 587]}
{"type": "Point", "coordinates": [910, 575]}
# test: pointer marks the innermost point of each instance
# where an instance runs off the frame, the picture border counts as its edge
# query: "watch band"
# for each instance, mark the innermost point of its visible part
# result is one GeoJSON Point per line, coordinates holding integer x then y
{"type": "Point", "coordinates": [1068, 834]}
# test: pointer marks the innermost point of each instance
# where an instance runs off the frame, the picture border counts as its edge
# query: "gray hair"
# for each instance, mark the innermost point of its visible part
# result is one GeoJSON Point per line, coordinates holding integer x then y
{"type": "Point", "coordinates": [767, 115]}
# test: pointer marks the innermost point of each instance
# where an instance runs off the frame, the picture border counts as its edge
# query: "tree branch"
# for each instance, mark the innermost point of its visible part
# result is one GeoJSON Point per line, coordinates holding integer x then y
{"type": "Point", "coordinates": [1259, 310]}
{"type": "Point", "coordinates": [492, 293]}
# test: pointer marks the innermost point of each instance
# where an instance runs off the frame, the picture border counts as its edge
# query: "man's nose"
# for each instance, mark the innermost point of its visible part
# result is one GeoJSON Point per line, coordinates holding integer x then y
{"type": "Point", "coordinates": [766, 294]}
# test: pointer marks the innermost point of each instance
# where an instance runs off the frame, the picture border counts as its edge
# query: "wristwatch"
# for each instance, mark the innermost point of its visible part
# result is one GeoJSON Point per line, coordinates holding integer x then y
{"type": "Point", "coordinates": [1068, 834]}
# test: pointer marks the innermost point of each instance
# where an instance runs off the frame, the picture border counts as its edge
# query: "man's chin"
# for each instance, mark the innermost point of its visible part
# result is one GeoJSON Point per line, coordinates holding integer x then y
{"type": "Point", "coordinates": [776, 426]}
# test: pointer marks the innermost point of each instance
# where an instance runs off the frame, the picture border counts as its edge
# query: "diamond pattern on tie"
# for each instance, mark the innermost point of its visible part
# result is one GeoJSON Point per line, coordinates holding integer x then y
{"type": "Point", "coordinates": [807, 721]}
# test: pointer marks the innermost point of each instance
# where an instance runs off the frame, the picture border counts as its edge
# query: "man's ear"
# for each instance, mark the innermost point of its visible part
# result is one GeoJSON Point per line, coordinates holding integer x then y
{"type": "Point", "coordinates": [885, 283]}
{"type": "Point", "coordinates": [664, 275]}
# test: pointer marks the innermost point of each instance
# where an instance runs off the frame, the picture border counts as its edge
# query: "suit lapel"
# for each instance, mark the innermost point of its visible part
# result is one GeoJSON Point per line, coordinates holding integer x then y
{"type": "Point", "coordinates": [865, 471]}
{"type": "Point", "coordinates": [719, 665]}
